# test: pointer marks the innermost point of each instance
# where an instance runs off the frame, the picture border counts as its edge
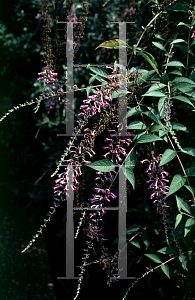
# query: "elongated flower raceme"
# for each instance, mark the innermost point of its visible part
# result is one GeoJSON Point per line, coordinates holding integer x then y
{"type": "Point", "coordinates": [157, 179]}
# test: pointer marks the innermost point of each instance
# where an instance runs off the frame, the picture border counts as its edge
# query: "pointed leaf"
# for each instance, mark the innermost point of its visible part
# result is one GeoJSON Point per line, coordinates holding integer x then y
{"type": "Point", "coordinates": [168, 155]}
{"type": "Point", "coordinates": [160, 46]}
{"type": "Point", "coordinates": [190, 151]}
{"type": "Point", "coordinates": [156, 86]}
{"type": "Point", "coordinates": [150, 59]}
{"type": "Point", "coordinates": [183, 79]}
{"type": "Point", "coordinates": [137, 125]}
{"type": "Point", "coordinates": [164, 78]}
{"type": "Point", "coordinates": [130, 176]}
{"type": "Point", "coordinates": [131, 159]}
{"type": "Point", "coordinates": [133, 229]}
{"type": "Point", "coordinates": [178, 220]}
{"type": "Point", "coordinates": [135, 243]}
{"type": "Point", "coordinates": [114, 44]}
{"type": "Point", "coordinates": [161, 104]}
{"type": "Point", "coordinates": [147, 138]}
{"type": "Point", "coordinates": [152, 116]}
{"type": "Point", "coordinates": [146, 238]}
{"type": "Point", "coordinates": [104, 165]}
{"type": "Point", "coordinates": [177, 182]}
{"type": "Point", "coordinates": [188, 226]}
{"type": "Point", "coordinates": [174, 63]}
{"type": "Point", "coordinates": [154, 257]}
{"type": "Point", "coordinates": [156, 128]}
{"type": "Point", "coordinates": [190, 255]}
{"type": "Point", "coordinates": [184, 99]}
{"type": "Point", "coordinates": [168, 251]}
{"type": "Point", "coordinates": [178, 41]}
{"type": "Point", "coordinates": [133, 111]}
{"type": "Point", "coordinates": [183, 261]}
{"type": "Point", "coordinates": [178, 126]}
{"type": "Point", "coordinates": [99, 71]}
{"type": "Point", "coordinates": [191, 189]}
{"type": "Point", "coordinates": [88, 90]}
{"type": "Point", "coordinates": [184, 24]}
{"type": "Point", "coordinates": [154, 94]}
{"type": "Point", "coordinates": [182, 204]}
{"type": "Point", "coordinates": [165, 269]}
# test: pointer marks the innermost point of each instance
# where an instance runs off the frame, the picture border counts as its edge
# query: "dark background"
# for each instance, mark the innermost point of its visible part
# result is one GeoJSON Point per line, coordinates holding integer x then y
{"type": "Point", "coordinates": [23, 160]}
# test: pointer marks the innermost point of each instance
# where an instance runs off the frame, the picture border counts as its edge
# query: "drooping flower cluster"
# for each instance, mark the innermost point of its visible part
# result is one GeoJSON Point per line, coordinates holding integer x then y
{"type": "Point", "coordinates": [53, 87]}
{"type": "Point", "coordinates": [157, 178]}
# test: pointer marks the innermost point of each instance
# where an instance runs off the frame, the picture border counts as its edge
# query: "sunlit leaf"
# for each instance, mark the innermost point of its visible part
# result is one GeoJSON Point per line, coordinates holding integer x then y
{"type": "Point", "coordinates": [177, 182]}
{"type": "Point", "coordinates": [154, 257]}
{"type": "Point", "coordinates": [104, 165]}
{"type": "Point", "coordinates": [182, 204]}
{"type": "Point", "coordinates": [165, 269]}
{"type": "Point", "coordinates": [114, 44]}
{"type": "Point", "coordinates": [188, 226]}
{"type": "Point", "coordinates": [168, 155]}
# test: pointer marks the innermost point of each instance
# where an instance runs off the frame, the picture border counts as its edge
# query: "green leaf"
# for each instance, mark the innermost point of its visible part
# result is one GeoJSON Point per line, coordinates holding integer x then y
{"type": "Point", "coordinates": [183, 262]}
{"type": "Point", "coordinates": [176, 72]}
{"type": "Point", "coordinates": [183, 24]}
{"type": "Point", "coordinates": [154, 94]}
{"type": "Point", "coordinates": [147, 138]}
{"type": "Point", "coordinates": [133, 111]}
{"type": "Point", "coordinates": [160, 46]}
{"type": "Point", "coordinates": [88, 90]}
{"type": "Point", "coordinates": [161, 104]}
{"type": "Point", "coordinates": [178, 126]}
{"type": "Point", "coordinates": [168, 155]}
{"type": "Point", "coordinates": [168, 251]}
{"type": "Point", "coordinates": [133, 229]}
{"type": "Point", "coordinates": [154, 257]}
{"type": "Point", "coordinates": [191, 170]}
{"type": "Point", "coordinates": [146, 238]}
{"type": "Point", "coordinates": [184, 88]}
{"type": "Point", "coordinates": [174, 63]}
{"type": "Point", "coordinates": [150, 59]}
{"type": "Point", "coordinates": [183, 79]}
{"type": "Point", "coordinates": [92, 79]}
{"type": "Point", "coordinates": [182, 204]}
{"type": "Point", "coordinates": [177, 182]}
{"type": "Point", "coordinates": [178, 220]}
{"type": "Point", "coordinates": [188, 226]}
{"type": "Point", "coordinates": [119, 93]}
{"type": "Point", "coordinates": [164, 78]}
{"type": "Point", "coordinates": [191, 189]}
{"type": "Point", "coordinates": [128, 172]}
{"type": "Point", "coordinates": [192, 44]}
{"type": "Point", "coordinates": [135, 243]}
{"type": "Point", "coordinates": [178, 41]}
{"type": "Point", "coordinates": [165, 269]}
{"type": "Point", "coordinates": [156, 86]}
{"type": "Point", "coordinates": [190, 151]}
{"type": "Point", "coordinates": [131, 160]}
{"type": "Point", "coordinates": [156, 128]}
{"type": "Point", "coordinates": [104, 165]}
{"type": "Point", "coordinates": [190, 255]}
{"type": "Point", "coordinates": [158, 36]}
{"type": "Point", "coordinates": [114, 44]}
{"type": "Point", "coordinates": [146, 75]}
{"type": "Point", "coordinates": [137, 125]}
{"type": "Point", "coordinates": [99, 71]}
{"type": "Point", "coordinates": [155, 118]}
{"type": "Point", "coordinates": [192, 66]}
